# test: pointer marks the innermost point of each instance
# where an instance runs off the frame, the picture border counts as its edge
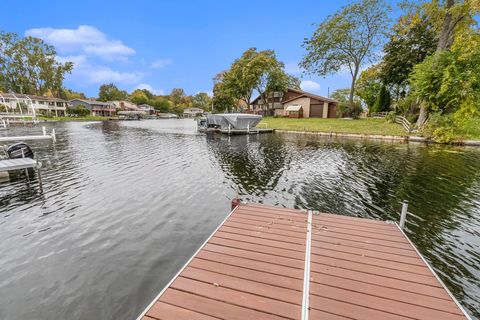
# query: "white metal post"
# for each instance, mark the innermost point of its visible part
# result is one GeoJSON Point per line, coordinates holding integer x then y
{"type": "Point", "coordinates": [54, 137]}
{"type": "Point", "coordinates": [44, 131]}
{"type": "Point", "coordinates": [403, 215]}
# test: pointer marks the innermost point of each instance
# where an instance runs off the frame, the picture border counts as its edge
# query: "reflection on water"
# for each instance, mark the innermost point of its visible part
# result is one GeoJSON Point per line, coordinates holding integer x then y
{"type": "Point", "coordinates": [125, 204]}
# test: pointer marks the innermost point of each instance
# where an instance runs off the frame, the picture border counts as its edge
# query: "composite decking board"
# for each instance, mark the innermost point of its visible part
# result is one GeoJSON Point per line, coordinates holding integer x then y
{"type": "Point", "coordinates": [165, 311]}
{"type": "Point", "coordinates": [212, 307]}
{"type": "Point", "coordinates": [381, 281]}
{"type": "Point", "coordinates": [269, 221]}
{"type": "Point", "coordinates": [248, 274]}
{"type": "Point", "coordinates": [387, 230]}
{"type": "Point", "coordinates": [393, 266]}
{"type": "Point", "coordinates": [380, 291]}
{"type": "Point", "coordinates": [292, 235]}
{"type": "Point", "coordinates": [375, 270]}
{"type": "Point", "coordinates": [318, 254]}
{"type": "Point", "coordinates": [261, 247]}
{"type": "Point", "coordinates": [338, 236]}
{"type": "Point", "coordinates": [376, 247]}
{"type": "Point", "coordinates": [274, 269]}
{"type": "Point", "coordinates": [252, 267]}
{"type": "Point", "coordinates": [255, 233]}
{"type": "Point", "coordinates": [266, 225]}
{"type": "Point", "coordinates": [318, 247]}
{"type": "Point", "coordinates": [239, 298]}
{"type": "Point", "coordinates": [253, 239]}
{"type": "Point", "coordinates": [253, 286]}
{"type": "Point", "coordinates": [379, 303]}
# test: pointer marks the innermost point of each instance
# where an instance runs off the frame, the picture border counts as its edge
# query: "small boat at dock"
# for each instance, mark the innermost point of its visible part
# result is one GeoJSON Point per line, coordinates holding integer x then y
{"type": "Point", "coordinates": [231, 123]}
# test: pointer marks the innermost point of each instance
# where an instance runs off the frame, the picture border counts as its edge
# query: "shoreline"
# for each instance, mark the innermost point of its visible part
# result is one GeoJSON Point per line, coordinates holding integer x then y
{"type": "Point", "coordinates": [407, 139]}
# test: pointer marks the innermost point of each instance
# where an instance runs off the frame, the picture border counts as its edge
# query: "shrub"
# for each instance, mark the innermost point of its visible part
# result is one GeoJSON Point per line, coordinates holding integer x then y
{"type": "Point", "coordinates": [441, 128]}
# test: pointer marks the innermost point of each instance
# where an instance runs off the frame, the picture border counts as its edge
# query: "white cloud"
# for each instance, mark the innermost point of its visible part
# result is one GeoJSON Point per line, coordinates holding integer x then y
{"type": "Point", "coordinates": [87, 39]}
{"type": "Point", "coordinates": [150, 88]}
{"type": "Point", "coordinates": [86, 72]}
{"type": "Point", "coordinates": [309, 85]}
{"type": "Point", "coordinates": [293, 68]}
{"type": "Point", "coordinates": [161, 63]}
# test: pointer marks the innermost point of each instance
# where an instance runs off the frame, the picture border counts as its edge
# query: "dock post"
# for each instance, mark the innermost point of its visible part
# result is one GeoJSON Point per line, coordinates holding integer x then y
{"type": "Point", "coordinates": [229, 128]}
{"type": "Point", "coordinates": [248, 128]}
{"type": "Point", "coordinates": [44, 131]}
{"type": "Point", "coordinates": [40, 183]}
{"type": "Point", "coordinates": [54, 137]}
{"type": "Point", "coordinates": [403, 215]}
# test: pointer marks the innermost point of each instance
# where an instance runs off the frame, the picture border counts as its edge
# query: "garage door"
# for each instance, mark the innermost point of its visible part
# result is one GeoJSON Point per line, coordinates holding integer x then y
{"type": "Point", "coordinates": [316, 110]}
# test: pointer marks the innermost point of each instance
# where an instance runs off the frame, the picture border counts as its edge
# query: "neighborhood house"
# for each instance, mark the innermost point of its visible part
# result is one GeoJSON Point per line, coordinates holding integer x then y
{"type": "Point", "coordinates": [192, 112]}
{"type": "Point", "coordinates": [25, 103]}
{"type": "Point", "coordinates": [288, 104]}
{"type": "Point", "coordinates": [97, 108]}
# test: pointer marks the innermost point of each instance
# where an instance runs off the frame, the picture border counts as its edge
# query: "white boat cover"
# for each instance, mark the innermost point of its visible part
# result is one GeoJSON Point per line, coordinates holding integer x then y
{"type": "Point", "coordinates": [235, 120]}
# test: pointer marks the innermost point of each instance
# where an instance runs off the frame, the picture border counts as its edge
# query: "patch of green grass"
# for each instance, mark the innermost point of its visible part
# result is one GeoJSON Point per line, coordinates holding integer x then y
{"type": "Point", "coordinates": [361, 126]}
{"type": "Point", "coordinates": [86, 118]}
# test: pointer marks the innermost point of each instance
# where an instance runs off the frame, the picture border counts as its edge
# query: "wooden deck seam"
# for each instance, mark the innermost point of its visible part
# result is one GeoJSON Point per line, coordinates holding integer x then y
{"type": "Point", "coordinates": [363, 236]}
{"type": "Point", "coordinates": [374, 265]}
{"type": "Point", "coordinates": [244, 291]}
{"type": "Point", "coordinates": [385, 298]}
{"type": "Point", "coordinates": [368, 256]}
{"type": "Point", "coordinates": [384, 286]}
{"type": "Point", "coordinates": [280, 226]}
{"type": "Point", "coordinates": [182, 307]}
{"type": "Point", "coordinates": [243, 278]}
{"type": "Point", "coordinates": [278, 274]}
{"type": "Point", "coordinates": [260, 238]}
{"type": "Point", "coordinates": [283, 265]}
{"type": "Point", "coordinates": [284, 228]}
{"type": "Point", "coordinates": [390, 277]}
{"type": "Point", "coordinates": [260, 229]}
{"type": "Point", "coordinates": [251, 250]}
{"type": "Point", "coordinates": [233, 304]}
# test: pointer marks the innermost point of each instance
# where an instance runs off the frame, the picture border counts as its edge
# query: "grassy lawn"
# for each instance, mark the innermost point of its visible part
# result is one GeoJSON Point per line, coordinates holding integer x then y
{"type": "Point", "coordinates": [361, 126]}
{"type": "Point", "coordinates": [86, 118]}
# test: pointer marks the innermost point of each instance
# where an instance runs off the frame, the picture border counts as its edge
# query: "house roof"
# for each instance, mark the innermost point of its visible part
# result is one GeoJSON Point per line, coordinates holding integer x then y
{"type": "Point", "coordinates": [95, 102]}
{"type": "Point", "coordinates": [29, 96]}
{"type": "Point", "coordinates": [302, 94]}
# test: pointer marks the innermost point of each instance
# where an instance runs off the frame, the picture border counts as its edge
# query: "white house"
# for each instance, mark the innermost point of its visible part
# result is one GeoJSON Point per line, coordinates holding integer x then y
{"type": "Point", "coordinates": [192, 112]}
{"type": "Point", "coordinates": [33, 105]}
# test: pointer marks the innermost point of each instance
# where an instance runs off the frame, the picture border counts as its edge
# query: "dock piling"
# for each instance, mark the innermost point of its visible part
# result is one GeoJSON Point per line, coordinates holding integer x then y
{"type": "Point", "coordinates": [44, 131]}
{"type": "Point", "coordinates": [403, 215]}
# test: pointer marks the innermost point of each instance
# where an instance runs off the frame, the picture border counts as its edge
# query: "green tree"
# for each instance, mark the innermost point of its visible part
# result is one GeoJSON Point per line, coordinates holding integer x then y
{"type": "Point", "coordinates": [347, 39]}
{"type": "Point", "coordinates": [110, 92]}
{"type": "Point", "coordinates": [161, 104]}
{"type": "Point", "coordinates": [369, 85]}
{"type": "Point", "coordinates": [449, 18]}
{"type": "Point", "coordinates": [383, 101]}
{"type": "Point", "coordinates": [80, 111]}
{"type": "Point", "coordinates": [139, 97]}
{"type": "Point", "coordinates": [177, 96]}
{"type": "Point", "coordinates": [68, 94]}
{"type": "Point", "coordinates": [412, 39]}
{"type": "Point", "coordinates": [255, 71]}
{"type": "Point", "coordinates": [28, 65]}
{"type": "Point", "coordinates": [223, 99]}
{"type": "Point", "coordinates": [449, 81]}
{"type": "Point", "coordinates": [202, 100]}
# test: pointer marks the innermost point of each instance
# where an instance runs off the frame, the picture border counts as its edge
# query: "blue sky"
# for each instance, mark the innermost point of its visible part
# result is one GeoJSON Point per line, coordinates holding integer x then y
{"type": "Point", "coordinates": [162, 45]}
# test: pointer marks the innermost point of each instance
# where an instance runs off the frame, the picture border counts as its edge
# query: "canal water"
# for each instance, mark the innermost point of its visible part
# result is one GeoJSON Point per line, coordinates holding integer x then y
{"type": "Point", "coordinates": [125, 204]}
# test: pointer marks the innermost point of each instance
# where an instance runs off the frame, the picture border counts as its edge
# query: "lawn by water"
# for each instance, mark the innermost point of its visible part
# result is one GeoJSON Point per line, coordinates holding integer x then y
{"type": "Point", "coordinates": [361, 126]}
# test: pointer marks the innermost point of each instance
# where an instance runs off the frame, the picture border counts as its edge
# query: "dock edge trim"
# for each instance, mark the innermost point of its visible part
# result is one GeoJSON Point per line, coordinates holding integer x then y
{"type": "Point", "coordinates": [435, 274]}
{"type": "Point", "coordinates": [150, 305]}
{"type": "Point", "coordinates": [306, 274]}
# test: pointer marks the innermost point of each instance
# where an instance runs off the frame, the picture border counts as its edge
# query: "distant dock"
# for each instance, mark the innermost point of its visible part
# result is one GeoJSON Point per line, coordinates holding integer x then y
{"type": "Point", "coordinates": [266, 262]}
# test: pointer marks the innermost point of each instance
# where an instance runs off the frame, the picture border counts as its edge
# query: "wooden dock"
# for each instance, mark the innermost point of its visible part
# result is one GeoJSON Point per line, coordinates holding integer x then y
{"type": "Point", "coordinates": [266, 262]}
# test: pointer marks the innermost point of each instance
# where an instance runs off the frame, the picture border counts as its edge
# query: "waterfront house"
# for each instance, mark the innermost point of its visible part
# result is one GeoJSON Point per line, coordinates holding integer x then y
{"type": "Point", "coordinates": [192, 112]}
{"type": "Point", "coordinates": [34, 105]}
{"type": "Point", "coordinates": [146, 108]}
{"type": "Point", "coordinates": [124, 105]}
{"type": "Point", "coordinates": [97, 108]}
{"type": "Point", "coordinates": [313, 106]}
